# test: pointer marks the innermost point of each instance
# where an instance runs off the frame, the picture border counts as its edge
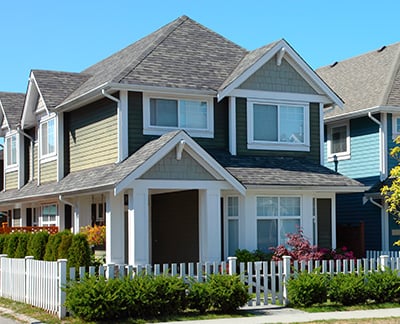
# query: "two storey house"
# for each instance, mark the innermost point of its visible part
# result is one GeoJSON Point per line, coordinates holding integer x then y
{"type": "Point", "coordinates": [186, 145]}
{"type": "Point", "coordinates": [359, 137]}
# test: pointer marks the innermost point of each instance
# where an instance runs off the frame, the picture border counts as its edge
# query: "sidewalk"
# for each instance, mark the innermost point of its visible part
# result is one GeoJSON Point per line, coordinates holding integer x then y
{"type": "Point", "coordinates": [276, 314]}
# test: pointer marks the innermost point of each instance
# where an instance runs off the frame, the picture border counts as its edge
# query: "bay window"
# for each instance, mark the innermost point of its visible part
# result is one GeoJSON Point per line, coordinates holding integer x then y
{"type": "Point", "coordinates": [278, 126]}
{"type": "Point", "coordinates": [165, 114]}
{"type": "Point", "coordinates": [276, 216]}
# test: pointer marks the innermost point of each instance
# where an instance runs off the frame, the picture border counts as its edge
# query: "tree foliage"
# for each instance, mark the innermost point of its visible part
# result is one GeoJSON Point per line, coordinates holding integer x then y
{"type": "Point", "coordinates": [391, 192]}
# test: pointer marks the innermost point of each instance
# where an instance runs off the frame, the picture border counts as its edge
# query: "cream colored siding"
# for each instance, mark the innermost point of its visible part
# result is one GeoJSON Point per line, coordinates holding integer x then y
{"type": "Point", "coordinates": [35, 160]}
{"type": "Point", "coordinates": [48, 171]}
{"type": "Point", "coordinates": [93, 136]}
{"type": "Point", "coordinates": [12, 180]}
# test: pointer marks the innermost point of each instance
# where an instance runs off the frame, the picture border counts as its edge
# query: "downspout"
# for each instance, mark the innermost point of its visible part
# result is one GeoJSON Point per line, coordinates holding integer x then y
{"type": "Point", "coordinates": [19, 130]}
{"type": "Point", "coordinates": [118, 101]}
{"type": "Point", "coordinates": [382, 167]}
{"type": "Point", "coordinates": [372, 201]}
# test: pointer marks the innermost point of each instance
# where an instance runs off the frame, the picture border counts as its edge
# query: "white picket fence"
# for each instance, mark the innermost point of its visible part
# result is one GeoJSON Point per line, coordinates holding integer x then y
{"type": "Point", "coordinates": [376, 254]}
{"type": "Point", "coordinates": [40, 283]}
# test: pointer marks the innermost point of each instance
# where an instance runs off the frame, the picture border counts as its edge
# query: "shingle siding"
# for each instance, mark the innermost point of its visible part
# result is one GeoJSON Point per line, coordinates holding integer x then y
{"type": "Point", "coordinates": [282, 78]}
{"type": "Point", "coordinates": [92, 136]}
{"type": "Point", "coordinates": [241, 134]}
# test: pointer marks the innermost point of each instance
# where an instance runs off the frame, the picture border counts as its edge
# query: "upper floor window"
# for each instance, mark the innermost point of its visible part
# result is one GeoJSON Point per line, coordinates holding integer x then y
{"type": "Point", "coordinates": [162, 114]}
{"type": "Point", "coordinates": [48, 137]}
{"type": "Point", "coordinates": [278, 126]}
{"type": "Point", "coordinates": [338, 141]}
{"type": "Point", "coordinates": [396, 126]}
{"type": "Point", "coordinates": [11, 150]}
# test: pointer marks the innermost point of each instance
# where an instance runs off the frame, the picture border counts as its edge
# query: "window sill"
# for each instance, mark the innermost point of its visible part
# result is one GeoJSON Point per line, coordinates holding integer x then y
{"type": "Point", "coordinates": [48, 158]}
{"type": "Point", "coordinates": [278, 146]}
{"type": "Point", "coordinates": [11, 168]}
{"type": "Point", "coordinates": [192, 133]}
{"type": "Point", "coordinates": [339, 157]}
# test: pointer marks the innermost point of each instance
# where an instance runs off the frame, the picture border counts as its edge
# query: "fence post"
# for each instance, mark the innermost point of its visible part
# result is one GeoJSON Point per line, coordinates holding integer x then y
{"type": "Point", "coordinates": [384, 262]}
{"type": "Point", "coordinates": [232, 265]}
{"type": "Point", "coordinates": [62, 281]}
{"type": "Point", "coordinates": [28, 274]}
{"type": "Point", "coordinates": [286, 276]}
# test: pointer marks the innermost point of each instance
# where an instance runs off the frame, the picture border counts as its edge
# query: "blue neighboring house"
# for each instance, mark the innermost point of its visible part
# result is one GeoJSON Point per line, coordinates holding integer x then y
{"type": "Point", "coordinates": [359, 136]}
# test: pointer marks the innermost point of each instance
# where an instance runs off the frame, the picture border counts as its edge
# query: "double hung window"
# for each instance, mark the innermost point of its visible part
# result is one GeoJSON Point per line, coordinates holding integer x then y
{"type": "Point", "coordinates": [276, 216]}
{"type": "Point", "coordinates": [338, 142]}
{"type": "Point", "coordinates": [11, 150]}
{"type": "Point", "coordinates": [48, 138]}
{"type": "Point", "coordinates": [49, 215]}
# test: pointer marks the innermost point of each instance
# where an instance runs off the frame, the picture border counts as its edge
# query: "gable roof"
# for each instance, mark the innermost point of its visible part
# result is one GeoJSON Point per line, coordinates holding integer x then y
{"type": "Point", "coordinates": [367, 81]}
{"type": "Point", "coordinates": [11, 104]}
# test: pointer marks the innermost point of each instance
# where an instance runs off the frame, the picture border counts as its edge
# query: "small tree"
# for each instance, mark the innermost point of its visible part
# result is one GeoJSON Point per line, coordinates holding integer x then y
{"type": "Point", "coordinates": [391, 192]}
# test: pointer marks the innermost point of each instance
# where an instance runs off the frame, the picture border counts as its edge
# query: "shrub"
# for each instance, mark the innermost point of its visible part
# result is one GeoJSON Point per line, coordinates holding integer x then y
{"type": "Point", "coordinates": [37, 245]}
{"type": "Point", "coordinates": [306, 289]}
{"type": "Point", "coordinates": [53, 245]}
{"type": "Point", "coordinates": [3, 243]}
{"type": "Point", "coordinates": [63, 248]}
{"type": "Point", "coordinates": [348, 289]}
{"type": "Point", "coordinates": [79, 253]}
{"type": "Point", "coordinates": [383, 286]}
{"type": "Point", "coordinates": [23, 240]}
{"type": "Point", "coordinates": [95, 299]}
{"type": "Point", "coordinates": [199, 296]}
{"type": "Point", "coordinates": [227, 293]}
{"type": "Point", "coordinates": [96, 235]}
{"type": "Point", "coordinates": [12, 244]}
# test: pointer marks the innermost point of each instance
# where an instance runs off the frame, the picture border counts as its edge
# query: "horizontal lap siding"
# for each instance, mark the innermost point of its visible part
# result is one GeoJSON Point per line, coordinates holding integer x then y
{"type": "Point", "coordinates": [135, 121]}
{"type": "Point", "coordinates": [92, 136]}
{"type": "Point", "coordinates": [48, 171]}
{"type": "Point", "coordinates": [241, 129]}
{"type": "Point", "coordinates": [11, 180]}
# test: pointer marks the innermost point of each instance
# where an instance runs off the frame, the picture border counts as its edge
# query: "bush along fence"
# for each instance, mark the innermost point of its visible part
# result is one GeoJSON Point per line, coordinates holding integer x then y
{"type": "Point", "coordinates": [42, 283]}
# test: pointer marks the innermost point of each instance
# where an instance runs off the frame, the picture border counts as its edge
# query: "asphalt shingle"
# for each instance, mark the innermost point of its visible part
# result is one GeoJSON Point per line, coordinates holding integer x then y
{"type": "Point", "coordinates": [13, 104]}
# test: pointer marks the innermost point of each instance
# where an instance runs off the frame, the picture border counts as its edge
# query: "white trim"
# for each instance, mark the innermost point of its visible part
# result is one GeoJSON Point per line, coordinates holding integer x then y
{"type": "Point", "coordinates": [160, 130]}
{"type": "Point", "coordinates": [284, 189]}
{"type": "Point", "coordinates": [340, 155]}
{"type": "Point", "coordinates": [11, 167]}
{"type": "Point", "coordinates": [232, 125]}
{"type": "Point", "coordinates": [123, 125]}
{"type": "Point", "coordinates": [321, 135]}
{"type": "Point", "coordinates": [383, 132]}
{"type": "Point", "coordinates": [203, 158]}
{"type": "Point", "coordinates": [283, 146]}
{"type": "Point", "coordinates": [60, 146]}
{"type": "Point", "coordinates": [362, 112]}
{"type": "Point", "coordinates": [394, 125]}
{"type": "Point", "coordinates": [5, 117]}
{"type": "Point", "coordinates": [53, 155]}
{"type": "Point", "coordinates": [314, 80]}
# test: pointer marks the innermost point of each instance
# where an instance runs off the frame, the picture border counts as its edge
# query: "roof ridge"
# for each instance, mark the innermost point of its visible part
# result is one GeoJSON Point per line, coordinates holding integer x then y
{"type": "Point", "coordinates": [170, 28]}
{"type": "Point", "coordinates": [391, 78]}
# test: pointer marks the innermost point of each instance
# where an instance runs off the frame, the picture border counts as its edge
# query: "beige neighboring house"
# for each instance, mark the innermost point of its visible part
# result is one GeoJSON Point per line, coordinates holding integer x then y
{"type": "Point", "coordinates": [186, 145]}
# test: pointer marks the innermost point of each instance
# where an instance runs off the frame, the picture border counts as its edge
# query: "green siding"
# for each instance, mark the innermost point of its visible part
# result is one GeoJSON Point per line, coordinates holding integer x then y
{"type": "Point", "coordinates": [92, 136]}
{"type": "Point", "coordinates": [241, 129]}
{"type": "Point", "coordinates": [11, 180]}
{"type": "Point", "coordinates": [186, 168]}
{"type": "Point", "coordinates": [135, 120]}
{"type": "Point", "coordinates": [282, 78]}
{"type": "Point", "coordinates": [48, 171]}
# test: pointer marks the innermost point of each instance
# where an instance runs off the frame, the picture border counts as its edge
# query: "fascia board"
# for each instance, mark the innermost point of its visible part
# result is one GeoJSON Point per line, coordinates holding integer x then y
{"type": "Point", "coordinates": [335, 189]}
{"type": "Point", "coordinates": [4, 115]}
{"type": "Point", "coordinates": [363, 112]}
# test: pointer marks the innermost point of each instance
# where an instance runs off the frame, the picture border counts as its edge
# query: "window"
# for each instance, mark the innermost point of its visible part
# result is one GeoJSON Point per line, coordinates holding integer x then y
{"type": "Point", "coordinates": [48, 138]}
{"type": "Point", "coordinates": [276, 216]}
{"type": "Point", "coordinates": [338, 142]}
{"type": "Point", "coordinates": [49, 214]}
{"type": "Point", "coordinates": [98, 213]}
{"type": "Point", "coordinates": [165, 114]}
{"type": "Point", "coordinates": [278, 126]}
{"type": "Point", "coordinates": [396, 126]}
{"type": "Point", "coordinates": [11, 150]}
{"type": "Point", "coordinates": [233, 224]}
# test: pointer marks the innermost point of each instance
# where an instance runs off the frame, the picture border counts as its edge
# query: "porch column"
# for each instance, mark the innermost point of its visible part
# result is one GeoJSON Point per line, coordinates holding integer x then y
{"type": "Point", "coordinates": [210, 225]}
{"type": "Point", "coordinates": [138, 227]}
{"type": "Point", "coordinates": [115, 238]}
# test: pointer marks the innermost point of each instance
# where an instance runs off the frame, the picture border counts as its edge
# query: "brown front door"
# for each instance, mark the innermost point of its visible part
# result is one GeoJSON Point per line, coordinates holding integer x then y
{"type": "Point", "coordinates": [175, 227]}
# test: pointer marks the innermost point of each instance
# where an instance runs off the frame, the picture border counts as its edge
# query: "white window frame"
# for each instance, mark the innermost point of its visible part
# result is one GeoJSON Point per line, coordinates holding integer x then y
{"type": "Point", "coordinates": [339, 155]}
{"type": "Point", "coordinates": [395, 133]}
{"type": "Point", "coordinates": [149, 129]}
{"type": "Point", "coordinates": [279, 217]}
{"type": "Point", "coordinates": [277, 145]}
{"type": "Point", "coordinates": [229, 218]}
{"type": "Point", "coordinates": [52, 155]}
{"type": "Point", "coordinates": [12, 166]}
{"type": "Point", "coordinates": [52, 222]}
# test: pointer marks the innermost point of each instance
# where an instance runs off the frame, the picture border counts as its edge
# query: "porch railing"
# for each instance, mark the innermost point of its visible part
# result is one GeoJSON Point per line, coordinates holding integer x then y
{"type": "Point", "coordinates": [5, 229]}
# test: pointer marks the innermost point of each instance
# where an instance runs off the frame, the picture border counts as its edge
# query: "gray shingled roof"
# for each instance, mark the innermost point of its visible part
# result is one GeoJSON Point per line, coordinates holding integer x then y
{"type": "Point", "coordinates": [281, 171]}
{"type": "Point", "coordinates": [13, 104]}
{"type": "Point", "coordinates": [55, 86]}
{"type": "Point", "coordinates": [182, 54]}
{"type": "Point", "coordinates": [365, 81]}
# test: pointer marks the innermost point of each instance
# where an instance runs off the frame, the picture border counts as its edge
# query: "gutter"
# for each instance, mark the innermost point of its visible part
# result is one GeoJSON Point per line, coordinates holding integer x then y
{"type": "Point", "coordinates": [20, 131]}
{"type": "Point", "coordinates": [60, 198]}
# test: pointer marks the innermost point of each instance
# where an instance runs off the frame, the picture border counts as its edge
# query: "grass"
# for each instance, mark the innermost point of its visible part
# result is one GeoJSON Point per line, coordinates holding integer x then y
{"type": "Point", "coordinates": [334, 307]}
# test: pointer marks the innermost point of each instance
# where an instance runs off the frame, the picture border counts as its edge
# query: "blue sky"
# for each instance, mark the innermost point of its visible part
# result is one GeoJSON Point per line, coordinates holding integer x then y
{"type": "Point", "coordinates": [72, 35]}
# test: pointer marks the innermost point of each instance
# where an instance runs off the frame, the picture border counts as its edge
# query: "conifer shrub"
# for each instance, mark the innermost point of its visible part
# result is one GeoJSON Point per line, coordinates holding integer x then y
{"type": "Point", "coordinates": [53, 245]}
{"type": "Point", "coordinates": [37, 245]}
{"type": "Point", "coordinates": [22, 246]}
{"type": "Point", "coordinates": [383, 286]}
{"type": "Point", "coordinates": [348, 289]}
{"type": "Point", "coordinates": [306, 289]}
{"type": "Point", "coordinates": [12, 244]}
{"type": "Point", "coordinates": [3, 243]}
{"type": "Point", "coordinates": [63, 248]}
{"type": "Point", "coordinates": [79, 253]}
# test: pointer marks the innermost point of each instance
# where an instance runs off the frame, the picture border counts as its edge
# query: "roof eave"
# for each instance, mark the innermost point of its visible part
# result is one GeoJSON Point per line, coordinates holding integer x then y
{"type": "Point", "coordinates": [363, 112]}
{"type": "Point", "coordinates": [335, 189]}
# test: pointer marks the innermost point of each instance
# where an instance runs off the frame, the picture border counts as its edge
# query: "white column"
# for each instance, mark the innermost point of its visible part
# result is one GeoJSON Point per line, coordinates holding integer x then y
{"type": "Point", "coordinates": [138, 227]}
{"type": "Point", "coordinates": [61, 216]}
{"type": "Point", "coordinates": [115, 234]}
{"type": "Point", "coordinates": [210, 225]}
{"type": "Point", "coordinates": [76, 223]}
